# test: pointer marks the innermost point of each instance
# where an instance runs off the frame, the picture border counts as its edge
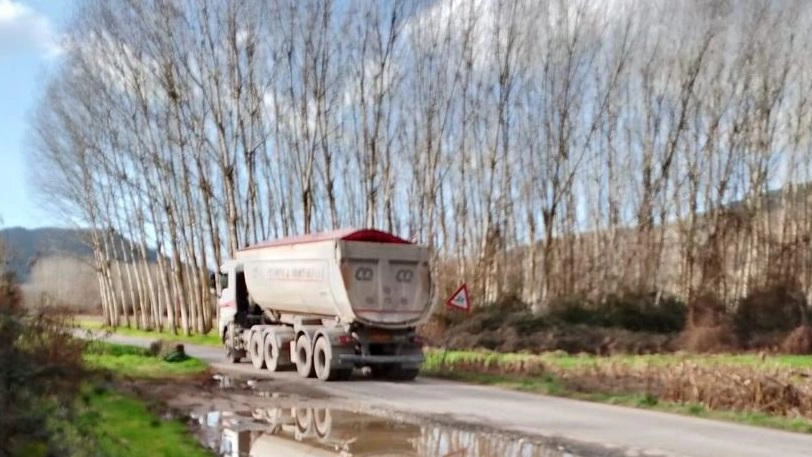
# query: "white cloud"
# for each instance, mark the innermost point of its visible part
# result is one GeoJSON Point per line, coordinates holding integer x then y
{"type": "Point", "coordinates": [22, 29]}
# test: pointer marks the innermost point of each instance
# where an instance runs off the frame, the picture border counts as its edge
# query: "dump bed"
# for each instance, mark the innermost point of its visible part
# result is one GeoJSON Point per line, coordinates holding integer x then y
{"type": "Point", "coordinates": [365, 276]}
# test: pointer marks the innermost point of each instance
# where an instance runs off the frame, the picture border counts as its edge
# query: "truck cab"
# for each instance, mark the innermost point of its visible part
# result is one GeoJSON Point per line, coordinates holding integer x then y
{"type": "Point", "coordinates": [235, 309]}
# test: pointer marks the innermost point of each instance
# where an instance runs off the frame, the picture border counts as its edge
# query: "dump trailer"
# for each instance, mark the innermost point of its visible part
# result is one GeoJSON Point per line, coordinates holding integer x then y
{"type": "Point", "coordinates": [327, 303]}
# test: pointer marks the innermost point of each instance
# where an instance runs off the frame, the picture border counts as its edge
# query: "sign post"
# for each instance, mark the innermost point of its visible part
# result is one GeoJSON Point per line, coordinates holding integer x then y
{"type": "Point", "coordinates": [459, 301]}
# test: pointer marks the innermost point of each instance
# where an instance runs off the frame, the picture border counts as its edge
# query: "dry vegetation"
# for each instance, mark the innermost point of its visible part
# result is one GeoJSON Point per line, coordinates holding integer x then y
{"type": "Point", "coordinates": [768, 320]}
{"type": "Point", "coordinates": [747, 383]}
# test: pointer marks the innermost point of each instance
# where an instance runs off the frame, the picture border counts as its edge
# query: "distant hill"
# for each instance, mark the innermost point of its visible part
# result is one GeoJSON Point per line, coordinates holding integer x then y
{"type": "Point", "coordinates": [25, 246]}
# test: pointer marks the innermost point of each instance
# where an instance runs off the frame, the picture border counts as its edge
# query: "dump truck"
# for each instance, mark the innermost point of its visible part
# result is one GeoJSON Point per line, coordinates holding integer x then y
{"type": "Point", "coordinates": [327, 303]}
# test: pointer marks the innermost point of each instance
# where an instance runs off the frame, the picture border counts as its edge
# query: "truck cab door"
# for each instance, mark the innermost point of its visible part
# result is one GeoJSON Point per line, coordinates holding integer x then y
{"type": "Point", "coordinates": [226, 300]}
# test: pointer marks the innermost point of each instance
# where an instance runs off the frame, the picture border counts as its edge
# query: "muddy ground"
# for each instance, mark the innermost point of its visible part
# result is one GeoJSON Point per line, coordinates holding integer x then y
{"type": "Point", "coordinates": [238, 416]}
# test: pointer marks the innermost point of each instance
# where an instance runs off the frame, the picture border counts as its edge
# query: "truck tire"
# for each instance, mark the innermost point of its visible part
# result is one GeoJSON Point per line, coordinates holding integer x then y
{"type": "Point", "coordinates": [232, 355]}
{"type": "Point", "coordinates": [322, 362]}
{"type": "Point", "coordinates": [272, 352]}
{"type": "Point", "coordinates": [256, 349]}
{"type": "Point", "coordinates": [304, 357]}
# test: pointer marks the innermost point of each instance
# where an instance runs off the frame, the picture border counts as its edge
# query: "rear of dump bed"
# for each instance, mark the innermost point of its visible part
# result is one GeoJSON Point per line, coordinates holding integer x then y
{"type": "Point", "coordinates": [387, 285]}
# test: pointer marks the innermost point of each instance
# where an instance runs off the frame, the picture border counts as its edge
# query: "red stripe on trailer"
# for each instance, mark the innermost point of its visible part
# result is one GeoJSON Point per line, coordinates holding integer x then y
{"type": "Point", "coordinates": [366, 235]}
{"type": "Point", "coordinates": [384, 311]}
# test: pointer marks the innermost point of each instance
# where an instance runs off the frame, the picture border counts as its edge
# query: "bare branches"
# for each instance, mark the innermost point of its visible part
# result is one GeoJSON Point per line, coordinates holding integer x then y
{"type": "Point", "coordinates": [544, 149]}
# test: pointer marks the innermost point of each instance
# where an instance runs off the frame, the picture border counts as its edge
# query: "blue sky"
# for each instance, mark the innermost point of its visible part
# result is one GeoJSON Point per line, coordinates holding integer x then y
{"type": "Point", "coordinates": [29, 46]}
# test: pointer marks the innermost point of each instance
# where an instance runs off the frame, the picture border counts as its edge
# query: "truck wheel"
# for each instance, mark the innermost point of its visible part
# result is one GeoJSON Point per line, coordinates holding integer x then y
{"type": "Point", "coordinates": [272, 352]}
{"type": "Point", "coordinates": [232, 355]}
{"type": "Point", "coordinates": [256, 349]}
{"type": "Point", "coordinates": [322, 361]}
{"type": "Point", "coordinates": [304, 357]}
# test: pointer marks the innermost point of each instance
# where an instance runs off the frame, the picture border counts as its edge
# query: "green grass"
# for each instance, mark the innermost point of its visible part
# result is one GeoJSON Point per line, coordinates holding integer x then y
{"type": "Point", "coordinates": [123, 426]}
{"type": "Point", "coordinates": [209, 339]}
{"type": "Point", "coordinates": [545, 384]}
{"type": "Point", "coordinates": [563, 360]}
{"type": "Point", "coordinates": [136, 362]}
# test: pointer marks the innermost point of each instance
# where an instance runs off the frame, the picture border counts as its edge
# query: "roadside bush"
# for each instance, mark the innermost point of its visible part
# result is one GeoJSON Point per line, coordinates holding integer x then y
{"type": "Point", "coordinates": [645, 312]}
{"type": "Point", "coordinates": [708, 327]}
{"type": "Point", "coordinates": [574, 310]}
{"type": "Point", "coordinates": [799, 341]}
{"type": "Point", "coordinates": [776, 308]}
{"type": "Point", "coordinates": [716, 338]}
{"type": "Point", "coordinates": [634, 311]}
{"type": "Point", "coordinates": [42, 374]}
{"type": "Point", "coordinates": [491, 316]}
{"type": "Point", "coordinates": [629, 323]}
{"type": "Point", "coordinates": [706, 310]}
{"type": "Point", "coordinates": [527, 323]}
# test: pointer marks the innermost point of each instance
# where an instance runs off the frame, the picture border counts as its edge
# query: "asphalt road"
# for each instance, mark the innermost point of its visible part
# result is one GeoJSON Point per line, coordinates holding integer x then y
{"type": "Point", "coordinates": [643, 432]}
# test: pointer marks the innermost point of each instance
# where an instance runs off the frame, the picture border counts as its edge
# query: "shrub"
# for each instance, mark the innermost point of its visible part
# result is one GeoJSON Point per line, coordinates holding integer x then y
{"type": "Point", "coordinates": [776, 308]}
{"type": "Point", "coordinates": [645, 312]}
{"type": "Point", "coordinates": [706, 310]}
{"type": "Point", "coordinates": [799, 341]}
{"type": "Point", "coordinates": [717, 338]}
{"type": "Point", "coordinates": [637, 312]}
{"type": "Point", "coordinates": [527, 323]}
{"type": "Point", "coordinates": [574, 310]}
{"type": "Point", "coordinates": [42, 375]}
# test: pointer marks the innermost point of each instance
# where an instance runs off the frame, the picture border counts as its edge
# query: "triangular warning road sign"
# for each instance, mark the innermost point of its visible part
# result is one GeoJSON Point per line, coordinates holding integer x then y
{"type": "Point", "coordinates": [459, 300]}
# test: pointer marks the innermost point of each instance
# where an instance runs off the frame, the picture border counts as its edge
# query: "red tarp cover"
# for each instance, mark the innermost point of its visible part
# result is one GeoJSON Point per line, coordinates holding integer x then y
{"type": "Point", "coordinates": [368, 235]}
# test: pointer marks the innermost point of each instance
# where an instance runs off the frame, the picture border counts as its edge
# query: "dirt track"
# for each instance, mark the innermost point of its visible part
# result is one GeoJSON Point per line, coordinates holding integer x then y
{"type": "Point", "coordinates": [607, 429]}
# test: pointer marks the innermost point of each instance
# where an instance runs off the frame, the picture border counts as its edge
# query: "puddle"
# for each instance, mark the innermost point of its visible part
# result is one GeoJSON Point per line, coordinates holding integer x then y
{"type": "Point", "coordinates": [242, 417]}
{"type": "Point", "coordinates": [318, 432]}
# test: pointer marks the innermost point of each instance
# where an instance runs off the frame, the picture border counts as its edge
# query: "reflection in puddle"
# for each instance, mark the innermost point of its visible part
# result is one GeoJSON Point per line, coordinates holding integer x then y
{"type": "Point", "coordinates": [299, 432]}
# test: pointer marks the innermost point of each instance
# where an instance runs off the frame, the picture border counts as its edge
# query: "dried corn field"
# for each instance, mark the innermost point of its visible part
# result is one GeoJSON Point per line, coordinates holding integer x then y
{"type": "Point", "coordinates": [779, 386]}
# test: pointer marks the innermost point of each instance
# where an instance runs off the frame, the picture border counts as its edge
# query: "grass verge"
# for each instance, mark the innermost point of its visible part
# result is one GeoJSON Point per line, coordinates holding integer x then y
{"type": "Point", "coordinates": [123, 426]}
{"type": "Point", "coordinates": [636, 381]}
{"type": "Point", "coordinates": [209, 339]}
{"type": "Point", "coordinates": [120, 423]}
{"type": "Point", "coordinates": [563, 360]}
{"type": "Point", "coordinates": [137, 362]}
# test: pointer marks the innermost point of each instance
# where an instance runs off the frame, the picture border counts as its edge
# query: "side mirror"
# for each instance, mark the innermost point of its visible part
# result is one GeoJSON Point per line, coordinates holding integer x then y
{"type": "Point", "coordinates": [213, 283]}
